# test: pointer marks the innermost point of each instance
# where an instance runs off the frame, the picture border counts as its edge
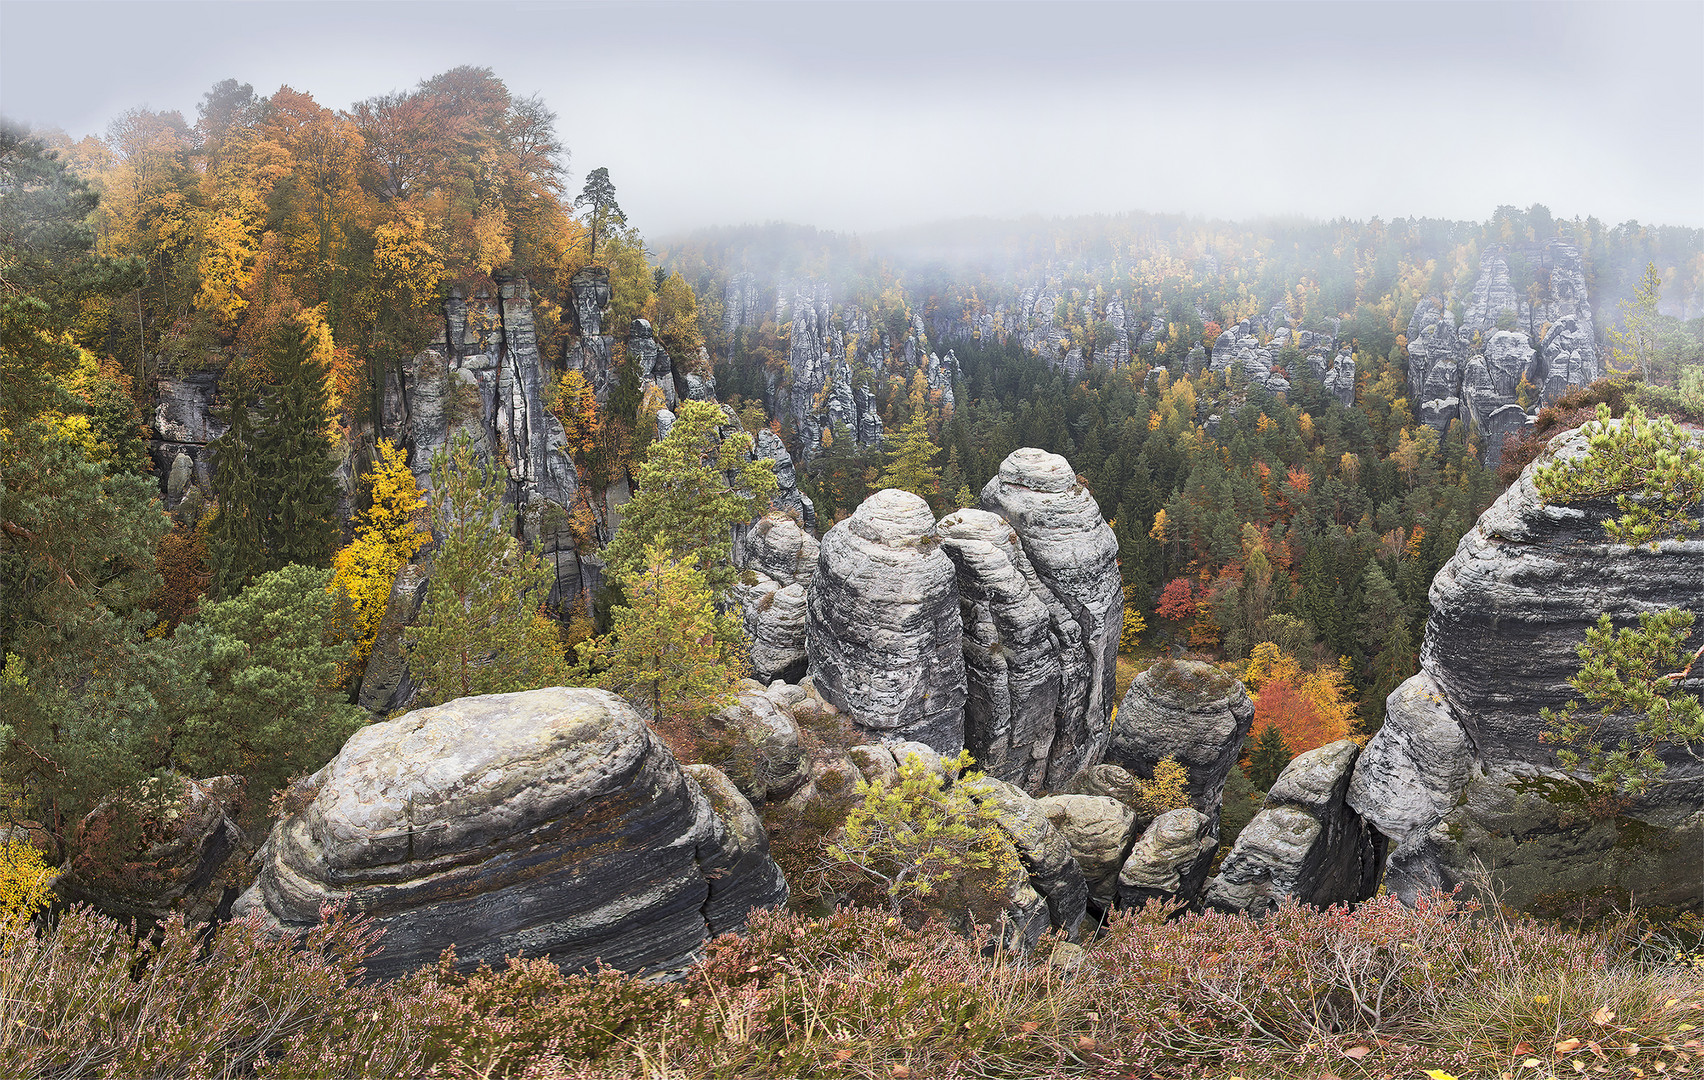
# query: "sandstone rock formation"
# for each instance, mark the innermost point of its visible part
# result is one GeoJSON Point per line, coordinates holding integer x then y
{"type": "Point", "coordinates": [1099, 831]}
{"type": "Point", "coordinates": [1536, 332]}
{"type": "Point", "coordinates": [1045, 854]}
{"type": "Point", "coordinates": [883, 630]}
{"type": "Point", "coordinates": [755, 743]}
{"type": "Point", "coordinates": [1170, 860]}
{"type": "Point", "coordinates": [1011, 652]}
{"type": "Point", "coordinates": [1074, 557]}
{"type": "Point", "coordinates": [1458, 776]}
{"type": "Point", "coordinates": [1191, 711]}
{"type": "Point", "coordinates": [545, 823]}
{"type": "Point", "coordinates": [168, 846]}
{"type": "Point", "coordinates": [1305, 842]}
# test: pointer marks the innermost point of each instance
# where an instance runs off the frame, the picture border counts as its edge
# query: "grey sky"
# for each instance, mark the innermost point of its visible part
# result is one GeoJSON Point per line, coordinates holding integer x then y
{"type": "Point", "coordinates": [867, 115]}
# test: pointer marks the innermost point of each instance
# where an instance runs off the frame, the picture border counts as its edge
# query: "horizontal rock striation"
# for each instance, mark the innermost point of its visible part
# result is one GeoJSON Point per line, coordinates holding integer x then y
{"type": "Point", "coordinates": [1074, 558]}
{"type": "Point", "coordinates": [1460, 776]}
{"type": "Point", "coordinates": [1306, 842]}
{"type": "Point", "coordinates": [545, 823]}
{"type": "Point", "coordinates": [883, 630]}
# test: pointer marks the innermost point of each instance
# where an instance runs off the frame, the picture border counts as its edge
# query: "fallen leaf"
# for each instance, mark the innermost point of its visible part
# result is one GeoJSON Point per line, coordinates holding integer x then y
{"type": "Point", "coordinates": [1531, 1063]}
{"type": "Point", "coordinates": [1357, 1052]}
{"type": "Point", "coordinates": [1029, 1026]}
{"type": "Point", "coordinates": [843, 1055]}
{"type": "Point", "coordinates": [1579, 1066]}
{"type": "Point", "coordinates": [901, 1072]}
{"type": "Point", "coordinates": [1568, 1046]}
{"type": "Point", "coordinates": [1085, 1043]}
{"type": "Point", "coordinates": [1603, 1016]}
{"type": "Point", "coordinates": [1439, 1074]}
{"type": "Point", "coordinates": [1523, 1049]}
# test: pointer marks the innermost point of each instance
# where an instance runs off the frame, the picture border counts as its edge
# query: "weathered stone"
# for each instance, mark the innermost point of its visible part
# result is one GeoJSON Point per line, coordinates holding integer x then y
{"type": "Point", "coordinates": [774, 618]}
{"type": "Point", "coordinates": [385, 684]}
{"type": "Point", "coordinates": [883, 630]}
{"type": "Point", "coordinates": [545, 823]}
{"type": "Point", "coordinates": [879, 762]}
{"type": "Point", "coordinates": [1044, 852]}
{"type": "Point", "coordinates": [1460, 775]}
{"type": "Point", "coordinates": [1074, 557]}
{"type": "Point", "coordinates": [1099, 831]}
{"type": "Point", "coordinates": [779, 547]}
{"type": "Point", "coordinates": [1113, 781]}
{"type": "Point", "coordinates": [1187, 710]}
{"type": "Point", "coordinates": [756, 745]}
{"type": "Point", "coordinates": [168, 846]}
{"type": "Point", "coordinates": [754, 881]}
{"type": "Point", "coordinates": [1170, 860]}
{"type": "Point", "coordinates": [1011, 654]}
{"type": "Point", "coordinates": [1306, 842]}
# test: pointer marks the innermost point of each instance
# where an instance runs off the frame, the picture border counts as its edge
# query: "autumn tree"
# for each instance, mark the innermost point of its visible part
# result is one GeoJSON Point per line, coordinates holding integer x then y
{"type": "Point", "coordinates": [908, 466]}
{"type": "Point", "coordinates": [480, 629]}
{"type": "Point", "coordinates": [388, 534]}
{"type": "Point", "coordinates": [1633, 346]}
{"type": "Point", "coordinates": [695, 485]}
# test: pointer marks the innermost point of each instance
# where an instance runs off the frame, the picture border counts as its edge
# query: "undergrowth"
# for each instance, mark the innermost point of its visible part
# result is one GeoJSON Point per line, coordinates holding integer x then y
{"type": "Point", "coordinates": [1381, 990]}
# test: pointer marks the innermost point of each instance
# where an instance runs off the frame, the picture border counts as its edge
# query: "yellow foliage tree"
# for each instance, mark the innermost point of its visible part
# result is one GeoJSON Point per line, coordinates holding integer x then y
{"type": "Point", "coordinates": [24, 881]}
{"type": "Point", "coordinates": [389, 536]}
{"type": "Point", "coordinates": [1168, 789]}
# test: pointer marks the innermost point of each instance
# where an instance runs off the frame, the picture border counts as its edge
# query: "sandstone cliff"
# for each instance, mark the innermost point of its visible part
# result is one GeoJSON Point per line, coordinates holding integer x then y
{"type": "Point", "coordinates": [1459, 778]}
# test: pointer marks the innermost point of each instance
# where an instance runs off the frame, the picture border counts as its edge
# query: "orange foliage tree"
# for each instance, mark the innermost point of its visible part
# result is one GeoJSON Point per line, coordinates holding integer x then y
{"type": "Point", "coordinates": [1309, 708]}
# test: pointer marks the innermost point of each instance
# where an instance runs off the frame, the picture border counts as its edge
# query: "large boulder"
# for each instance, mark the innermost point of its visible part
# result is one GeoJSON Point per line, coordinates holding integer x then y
{"type": "Point", "coordinates": [1306, 842]}
{"type": "Point", "coordinates": [883, 630]}
{"type": "Point", "coordinates": [1460, 776]}
{"type": "Point", "coordinates": [1170, 860]}
{"type": "Point", "coordinates": [545, 823]}
{"type": "Point", "coordinates": [1074, 557]}
{"type": "Point", "coordinates": [1043, 850]}
{"type": "Point", "coordinates": [1188, 710]}
{"type": "Point", "coordinates": [1011, 654]}
{"type": "Point", "coordinates": [1099, 831]}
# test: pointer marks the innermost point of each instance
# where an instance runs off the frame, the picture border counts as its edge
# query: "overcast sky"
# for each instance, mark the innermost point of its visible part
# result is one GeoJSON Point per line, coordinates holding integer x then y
{"type": "Point", "coordinates": [869, 115]}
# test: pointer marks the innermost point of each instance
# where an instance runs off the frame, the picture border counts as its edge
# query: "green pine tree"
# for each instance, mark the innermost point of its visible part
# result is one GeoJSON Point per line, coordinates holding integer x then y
{"type": "Point", "coordinates": [480, 629]}
{"type": "Point", "coordinates": [668, 651]}
{"type": "Point", "coordinates": [234, 544]}
{"type": "Point", "coordinates": [695, 485]}
{"type": "Point", "coordinates": [909, 456]}
{"type": "Point", "coordinates": [293, 455]}
{"type": "Point", "coordinates": [1267, 758]}
{"type": "Point", "coordinates": [254, 687]}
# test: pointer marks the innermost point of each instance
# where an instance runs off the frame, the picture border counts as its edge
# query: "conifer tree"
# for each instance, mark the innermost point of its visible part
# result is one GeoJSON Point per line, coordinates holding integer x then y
{"type": "Point", "coordinates": [234, 542]}
{"type": "Point", "coordinates": [695, 485]}
{"type": "Point", "coordinates": [1267, 758]}
{"type": "Point", "coordinates": [293, 455]}
{"type": "Point", "coordinates": [669, 652]}
{"type": "Point", "coordinates": [908, 467]}
{"type": "Point", "coordinates": [480, 629]}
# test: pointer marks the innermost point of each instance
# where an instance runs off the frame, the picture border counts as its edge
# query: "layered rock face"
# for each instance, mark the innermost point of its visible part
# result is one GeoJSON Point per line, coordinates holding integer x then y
{"type": "Point", "coordinates": [1306, 842]}
{"type": "Point", "coordinates": [883, 630]}
{"type": "Point", "coordinates": [1239, 350]}
{"type": "Point", "coordinates": [1012, 656]}
{"type": "Point", "coordinates": [484, 378]}
{"type": "Point", "coordinates": [1188, 710]}
{"type": "Point", "coordinates": [183, 426]}
{"type": "Point", "coordinates": [1474, 371]}
{"type": "Point", "coordinates": [545, 823]}
{"type": "Point", "coordinates": [1170, 860]}
{"type": "Point", "coordinates": [780, 558]}
{"type": "Point", "coordinates": [1074, 557]}
{"type": "Point", "coordinates": [1459, 775]}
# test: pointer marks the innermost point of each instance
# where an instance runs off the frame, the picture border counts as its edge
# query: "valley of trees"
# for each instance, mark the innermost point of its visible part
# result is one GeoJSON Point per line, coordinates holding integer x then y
{"type": "Point", "coordinates": [302, 252]}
